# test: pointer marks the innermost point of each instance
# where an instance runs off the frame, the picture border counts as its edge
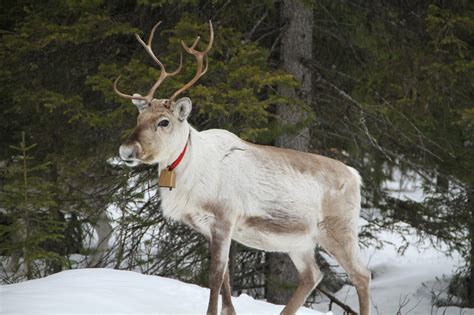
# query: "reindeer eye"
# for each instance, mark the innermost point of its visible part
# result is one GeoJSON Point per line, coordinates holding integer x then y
{"type": "Point", "coordinates": [163, 123]}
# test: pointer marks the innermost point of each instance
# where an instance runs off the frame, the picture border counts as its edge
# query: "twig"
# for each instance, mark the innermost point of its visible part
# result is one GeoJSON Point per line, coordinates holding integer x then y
{"type": "Point", "coordinates": [335, 300]}
{"type": "Point", "coordinates": [248, 37]}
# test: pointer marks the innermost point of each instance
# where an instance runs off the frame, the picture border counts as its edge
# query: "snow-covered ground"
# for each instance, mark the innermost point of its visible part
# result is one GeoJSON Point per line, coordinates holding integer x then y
{"type": "Point", "coordinates": [398, 280]}
{"type": "Point", "coordinates": [108, 291]}
{"type": "Point", "coordinates": [402, 284]}
{"type": "Point", "coordinates": [405, 282]}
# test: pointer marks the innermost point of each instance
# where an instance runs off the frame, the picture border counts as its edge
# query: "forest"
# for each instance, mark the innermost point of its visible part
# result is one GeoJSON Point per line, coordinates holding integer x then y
{"type": "Point", "coordinates": [387, 87]}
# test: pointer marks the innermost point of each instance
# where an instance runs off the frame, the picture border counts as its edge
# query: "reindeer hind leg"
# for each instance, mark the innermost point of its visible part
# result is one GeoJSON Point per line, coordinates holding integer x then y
{"type": "Point", "coordinates": [309, 277]}
{"type": "Point", "coordinates": [341, 241]}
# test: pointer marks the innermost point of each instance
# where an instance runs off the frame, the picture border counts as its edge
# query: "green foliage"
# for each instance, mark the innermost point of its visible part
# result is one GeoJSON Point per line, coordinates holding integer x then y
{"type": "Point", "coordinates": [58, 60]}
{"type": "Point", "coordinates": [29, 210]}
{"type": "Point", "coordinates": [409, 73]}
{"type": "Point", "coordinates": [393, 89]}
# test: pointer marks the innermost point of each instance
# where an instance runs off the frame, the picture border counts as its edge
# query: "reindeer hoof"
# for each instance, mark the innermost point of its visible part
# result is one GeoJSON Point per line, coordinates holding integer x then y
{"type": "Point", "coordinates": [229, 310]}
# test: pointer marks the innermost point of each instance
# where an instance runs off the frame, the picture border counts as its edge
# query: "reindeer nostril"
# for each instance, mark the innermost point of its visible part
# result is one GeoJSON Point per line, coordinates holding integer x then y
{"type": "Point", "coordinates": [128, 153]}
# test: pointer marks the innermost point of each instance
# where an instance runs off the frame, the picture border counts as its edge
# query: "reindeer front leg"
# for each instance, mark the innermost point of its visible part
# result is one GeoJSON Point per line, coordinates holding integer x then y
{"type": "Point", "coordinates": [219, 245]}
{"type": "Point", "coordinates": [226, 292]}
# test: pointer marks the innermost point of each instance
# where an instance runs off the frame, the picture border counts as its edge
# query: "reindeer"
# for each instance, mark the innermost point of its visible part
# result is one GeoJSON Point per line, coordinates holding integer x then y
{"type": "Point", "coordinates": [268, 198]}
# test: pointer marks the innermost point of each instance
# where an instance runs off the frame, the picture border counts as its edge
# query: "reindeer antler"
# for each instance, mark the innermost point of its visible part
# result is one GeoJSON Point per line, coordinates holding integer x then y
{"type": "Point", "coordinates": [163, 73]}
{"type": "Point", "coordinates": [201, 56]}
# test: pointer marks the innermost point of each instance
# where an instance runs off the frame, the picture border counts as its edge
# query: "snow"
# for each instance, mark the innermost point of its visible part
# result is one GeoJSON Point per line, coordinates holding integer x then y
{"type": "Point", "coordinates": [108, 291]}
{"type": "Point", "coordinates": [407, 279]}
{"type": "Point", "coordinates": [402, 283]}
{"type": "Point", "coordinates": [406, 186]}
{"type": "Point", "coordinates": [397, 280]}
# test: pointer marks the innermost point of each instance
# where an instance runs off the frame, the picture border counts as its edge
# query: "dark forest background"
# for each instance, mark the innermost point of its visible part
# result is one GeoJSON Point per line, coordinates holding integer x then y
{"type": "Point", "coordinates": [385, 86]}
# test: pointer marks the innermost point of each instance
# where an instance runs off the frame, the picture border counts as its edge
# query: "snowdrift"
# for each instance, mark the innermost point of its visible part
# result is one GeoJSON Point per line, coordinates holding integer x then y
{"type": "Point", "coordinates": [108, 291]}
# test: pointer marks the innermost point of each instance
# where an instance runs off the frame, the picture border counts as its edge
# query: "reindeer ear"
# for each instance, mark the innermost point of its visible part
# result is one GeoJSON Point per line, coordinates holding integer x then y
{"type": "Point", "coordinates": [182, 108]}
{"type": "Point", "coordinates": [141, 104]}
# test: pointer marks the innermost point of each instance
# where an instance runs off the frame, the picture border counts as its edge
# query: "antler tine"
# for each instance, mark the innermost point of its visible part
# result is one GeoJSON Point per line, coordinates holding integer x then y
{"type": "Point", "coordinates": [180, 65]}
{"type": "Point", "coordinates": [201, 57]}
{"type": "Point", "coordinates": [126, 95]}
{"type": "Point", "coordinates": [211, 38]}
{"type": "Point", "coordinates": [205, 67]}
{"type": "Point", "coordinates": [152, 33]}
{"type": "Point", "coordinates": [147, 46]}
{"type": "Point", "coordinates": [193, 45]}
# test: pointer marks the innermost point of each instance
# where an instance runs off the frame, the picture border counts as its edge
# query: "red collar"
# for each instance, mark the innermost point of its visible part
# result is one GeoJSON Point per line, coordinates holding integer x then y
{"type": "Point", "coordinates": [178, 160]}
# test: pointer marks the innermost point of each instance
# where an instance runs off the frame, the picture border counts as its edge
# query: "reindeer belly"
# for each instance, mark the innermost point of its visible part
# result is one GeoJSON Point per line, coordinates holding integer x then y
{"type": "Point", "coordinates": [274, 242]}
{"type": "Point", "coordinates": [275, 235]}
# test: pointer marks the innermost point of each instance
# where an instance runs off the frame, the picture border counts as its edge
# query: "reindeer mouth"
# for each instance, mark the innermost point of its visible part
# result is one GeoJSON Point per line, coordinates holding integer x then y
{"type": "Point", "coordinates": [131, 163]}
{"type": "Point", "coordinates": [136, 162]}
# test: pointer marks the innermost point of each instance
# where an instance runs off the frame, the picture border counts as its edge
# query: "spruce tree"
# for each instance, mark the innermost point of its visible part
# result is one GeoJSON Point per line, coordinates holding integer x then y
{"type": "Point", "coordinates": [28, 206]}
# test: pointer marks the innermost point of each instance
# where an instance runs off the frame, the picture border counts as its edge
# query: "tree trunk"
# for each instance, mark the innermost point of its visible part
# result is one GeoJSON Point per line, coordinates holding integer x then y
{"type": "Point", "coordinates": [296, 51]}
{"type": "Point", "coordinates": [281, 277]}
{"type": "Point", "coordinates": [470, 204]}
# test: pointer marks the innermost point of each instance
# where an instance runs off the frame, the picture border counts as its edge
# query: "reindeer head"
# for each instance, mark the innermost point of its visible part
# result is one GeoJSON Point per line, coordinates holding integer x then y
{"type": "Point", "coordinates": [162, 129]}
